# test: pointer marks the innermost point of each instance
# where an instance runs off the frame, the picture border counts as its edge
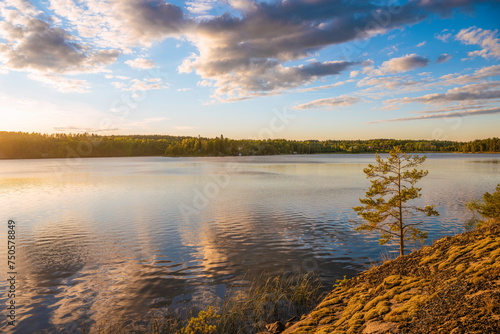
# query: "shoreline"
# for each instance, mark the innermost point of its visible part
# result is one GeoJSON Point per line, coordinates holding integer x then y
{"type": "Point", "coordinates": [260, 155]}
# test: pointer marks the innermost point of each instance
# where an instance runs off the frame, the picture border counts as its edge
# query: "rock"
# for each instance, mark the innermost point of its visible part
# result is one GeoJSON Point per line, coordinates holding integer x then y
{"type": "Point", "coordinates": [275, 328]}
{"type": "Point", "coordinates": [290, 322]}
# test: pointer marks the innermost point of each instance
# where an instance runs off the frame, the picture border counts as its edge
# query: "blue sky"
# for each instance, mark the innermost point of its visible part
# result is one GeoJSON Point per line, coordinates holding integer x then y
{"type": "Point", "coordinates": [295, 69]}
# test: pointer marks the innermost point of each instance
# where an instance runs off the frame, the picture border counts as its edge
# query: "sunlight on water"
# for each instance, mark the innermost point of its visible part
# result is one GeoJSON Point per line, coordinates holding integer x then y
{"type": "Point", "coordinates": [110, 238]}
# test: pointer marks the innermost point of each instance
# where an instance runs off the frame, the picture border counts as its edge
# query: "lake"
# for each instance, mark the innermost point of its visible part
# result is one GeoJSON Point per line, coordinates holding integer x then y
{"type": "Point", "coordinates": [111, 238]}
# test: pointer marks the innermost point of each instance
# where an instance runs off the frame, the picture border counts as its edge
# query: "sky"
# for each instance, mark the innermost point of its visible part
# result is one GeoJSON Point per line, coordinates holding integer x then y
{"type": "Point", "coordinates": [294, 69]}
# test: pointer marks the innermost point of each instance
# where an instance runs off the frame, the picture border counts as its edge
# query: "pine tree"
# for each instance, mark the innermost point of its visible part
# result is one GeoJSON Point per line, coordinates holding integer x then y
{"type": "Point", "coordinates": [385, 207]}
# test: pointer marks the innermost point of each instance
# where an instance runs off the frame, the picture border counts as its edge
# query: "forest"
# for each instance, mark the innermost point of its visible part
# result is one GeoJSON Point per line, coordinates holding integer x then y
{"type": "Point", "coordinates": [23, 145]}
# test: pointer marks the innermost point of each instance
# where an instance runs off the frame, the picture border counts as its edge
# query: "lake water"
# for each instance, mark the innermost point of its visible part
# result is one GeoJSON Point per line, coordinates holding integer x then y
{"type": "Point", "coordinates": [110, 238]}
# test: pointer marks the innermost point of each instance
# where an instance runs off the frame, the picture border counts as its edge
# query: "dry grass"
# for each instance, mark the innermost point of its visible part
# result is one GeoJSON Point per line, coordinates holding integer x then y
{"type": "Point", "coordinates": [269, 298]}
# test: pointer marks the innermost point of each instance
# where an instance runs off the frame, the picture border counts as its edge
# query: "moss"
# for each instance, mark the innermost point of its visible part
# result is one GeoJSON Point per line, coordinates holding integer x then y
{"type": "Point", "coordinates": [404, 296]}
{"type": "Point", "coordinates": [354, 305]}
{"type": "Point", "coordinates": [436, 255]}
{"type": "Point", "coordinates": [495, 254]}
{"type": "Point", "coordinates": [374, 302]}
{"type": "Point", "coordinates": [475, 267]}
{"type": "Point", "coordinates": [382, 308]}
{"type": "Point", "coordinates": [406, 311]}
{"type": "Point", "coordinates": [304, 330]}
{"type": "Point", "coordinates": [392, 281]}
{"type": "Point", "coordinates": [321, 313]}
{"type": "Point", "coordinates": [478, 246]}
{"type": "Point", "coordinates": [355, 322]}
{"type": "Point", "coordinates": [452, 264]}
{"type": "Point", "coordinates": [327, 320]}
{"type": "Point", "coordinates": [330, 302]}
{"type": "Point", "coordinates": [308, 323]}
{"type": "Point", "coordinates": [454, 253]}
{"type": "Point", "coordinates": [486, 249]}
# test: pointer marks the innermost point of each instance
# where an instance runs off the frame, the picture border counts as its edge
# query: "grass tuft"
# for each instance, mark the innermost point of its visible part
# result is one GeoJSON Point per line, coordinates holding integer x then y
{"type": "Point", "coordinates": [268, 299]}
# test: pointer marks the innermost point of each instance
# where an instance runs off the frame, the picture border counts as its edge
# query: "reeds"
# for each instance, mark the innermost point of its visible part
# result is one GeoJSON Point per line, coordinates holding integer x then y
{"type": "Point", "coordinates": [269, 298]}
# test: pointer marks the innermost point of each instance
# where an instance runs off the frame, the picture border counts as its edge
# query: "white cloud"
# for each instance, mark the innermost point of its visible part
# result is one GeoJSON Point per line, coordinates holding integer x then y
{"type": "Point", "coordinates": [118, 85]}
{"type": "Point", "coordinates": [61, 83]}
{"type": "Point", "coordinates": [33, 44]}
{"type": "Point", "coordinates": [421, 44]}
{"type": "Point", "coordinates": [473, 112]}
{"type": "Point", "coordinates": [402, 64]}
{"type": "Point", "coordinates": [340, 101]}
{"type": "Point", "coordinates": [146, 84]}
{"type": "Point", "coordinates": [200, 7]}
{"type": "Point", "coordinates": [141, 63]}
{"type": "Point", "coordinates": [481, 91]}
{"type": "Point", "coordinates": [443, 58]}
{"type": "Point", "coordinates": [444, 36]}
{"type": "Point", "coordinates": [387, 83]}
{"type": "Point", "coordinates": [241, 54]}
{"type": "Point", "coordinates": [313, 89]}
{"type": "Point", "coordinates": [487, 39]}
{"type": "Point", "coordinates": [121, 77]}
{"type": "Point", "coordinates": [242, 4]}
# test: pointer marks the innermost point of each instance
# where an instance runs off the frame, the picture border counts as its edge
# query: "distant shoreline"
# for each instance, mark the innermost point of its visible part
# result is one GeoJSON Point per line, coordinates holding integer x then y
{"type": "Point", "coordinates": [226, 156]}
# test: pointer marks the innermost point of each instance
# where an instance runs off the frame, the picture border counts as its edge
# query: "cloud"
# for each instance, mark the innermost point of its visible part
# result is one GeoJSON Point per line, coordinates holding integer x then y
{"type": "Point", "coordinates": [236, 52]}
{"type": "Point", "coordinates": [61, 83]}
{"type": "Point", "coordinates": [146, 84]}
{"type": "Point", "coordinates": [141, 63]}
{"type": "Point", "coordinates": [31, 43]}
{"type": "Point", "coordinates": [481, 91]}
{"type": "Point", "coordinates": [402, 64]}
{"type": "Point", "coordinates": [387, 83]}
{"type": "Point", "coordinates": [443, 37]}
{"type": "Point", "coordinates": [252, 77]}
{"type": "Point", "coordinates": [473, 112]}
{"type": "Point", "coordinates": [487, 39]}
{"type": "Point", "coordinates": [443, 58]}
{"type": "Point", "coordinates": [42, 47]}
{"type": "Point", "coordinates": [243, 53]}
{"type": "Point", "coordinates": [421, 44]}
{"type": "Point", "coordinates": [118, 85]}
{"type": "Point", "coordinates": [200, 7]}
{"type": "Point", "coordinates": [242, 4]}
{"type": "Point", "coordinates": [340, 101]}
{"type": "Point", "coordinates": [478, 75]}
{"type": "Point", "coordinates": [313, 89]}
{"type": "Point", "coordinates": [148, 20]}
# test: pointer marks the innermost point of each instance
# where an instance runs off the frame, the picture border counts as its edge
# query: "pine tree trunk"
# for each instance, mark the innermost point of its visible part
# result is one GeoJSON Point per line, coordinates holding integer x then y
{"type": "Point", "coordinates": [401, 231]}
{"type": "Point", "coordinates": [401, 243]}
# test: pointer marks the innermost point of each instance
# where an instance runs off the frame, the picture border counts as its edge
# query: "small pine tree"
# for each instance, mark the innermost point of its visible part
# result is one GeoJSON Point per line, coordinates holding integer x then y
{"type": "Point", "coordinates": [386, 207]}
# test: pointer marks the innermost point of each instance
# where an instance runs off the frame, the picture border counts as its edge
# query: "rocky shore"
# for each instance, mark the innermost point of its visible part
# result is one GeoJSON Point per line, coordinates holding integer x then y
{"type": "Point", "coordinates": [452, 286]}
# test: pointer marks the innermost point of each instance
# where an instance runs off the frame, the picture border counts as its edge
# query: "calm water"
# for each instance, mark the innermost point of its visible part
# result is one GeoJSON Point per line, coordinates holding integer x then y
{"type": "Point", "coordinates": [113, 237]}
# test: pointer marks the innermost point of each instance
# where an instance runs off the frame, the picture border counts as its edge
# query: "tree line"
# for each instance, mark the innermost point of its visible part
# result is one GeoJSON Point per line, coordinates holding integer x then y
{"type": "Point", "coordinates": [23, 145]}
{"type": "Point", "coordinates": [220, 146]}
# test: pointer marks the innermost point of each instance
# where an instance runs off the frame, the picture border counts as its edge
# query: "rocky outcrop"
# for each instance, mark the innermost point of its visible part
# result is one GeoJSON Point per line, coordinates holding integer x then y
{"type": "Point", "coordinates": [452, 286]}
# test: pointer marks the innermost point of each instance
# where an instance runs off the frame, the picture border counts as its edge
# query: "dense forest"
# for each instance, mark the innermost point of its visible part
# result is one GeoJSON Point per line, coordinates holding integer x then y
{"type": "Point", "coordinates": [22, 145]}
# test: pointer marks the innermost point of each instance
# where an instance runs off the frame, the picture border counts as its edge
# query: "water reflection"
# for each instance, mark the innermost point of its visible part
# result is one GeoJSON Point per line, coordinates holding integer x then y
{"type": "Point", "coordinates": [106, 239]}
